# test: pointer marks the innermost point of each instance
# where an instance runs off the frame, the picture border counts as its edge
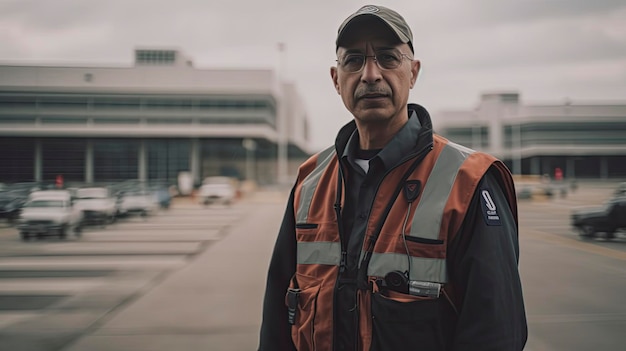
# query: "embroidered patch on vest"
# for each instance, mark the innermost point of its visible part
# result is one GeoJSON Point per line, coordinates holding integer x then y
{"type": "Point", "coordinates": [489, 209]}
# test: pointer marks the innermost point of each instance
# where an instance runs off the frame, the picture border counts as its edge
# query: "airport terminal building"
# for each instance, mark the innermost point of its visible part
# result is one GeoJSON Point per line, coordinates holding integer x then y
{"type": "Point", "coordinates": [162, 116]}
{"type": "Point", "coordinates": [582, 140]}
{"type": "Point", "coordinates": [148, 121]}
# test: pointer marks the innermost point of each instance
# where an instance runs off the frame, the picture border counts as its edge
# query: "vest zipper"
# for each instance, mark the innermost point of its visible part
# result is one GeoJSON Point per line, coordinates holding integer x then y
{"type": "Point", "coordinates": [344, 254]}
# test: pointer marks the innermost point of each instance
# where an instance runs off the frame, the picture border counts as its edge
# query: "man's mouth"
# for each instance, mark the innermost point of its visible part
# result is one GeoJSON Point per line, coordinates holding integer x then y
{"type": "Point", "coordinates": [373, 96]}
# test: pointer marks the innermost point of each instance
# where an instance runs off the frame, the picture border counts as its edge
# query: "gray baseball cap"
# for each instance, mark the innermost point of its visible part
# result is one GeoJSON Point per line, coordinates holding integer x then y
{"type": "Point", "coordinates": [391, 18]}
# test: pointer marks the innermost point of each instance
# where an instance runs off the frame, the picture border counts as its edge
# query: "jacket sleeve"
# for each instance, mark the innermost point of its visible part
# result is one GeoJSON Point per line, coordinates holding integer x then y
{"type": "Point", "coordinates": [275, 330]}
{"type": "Point", "coordinates": [484, 270]}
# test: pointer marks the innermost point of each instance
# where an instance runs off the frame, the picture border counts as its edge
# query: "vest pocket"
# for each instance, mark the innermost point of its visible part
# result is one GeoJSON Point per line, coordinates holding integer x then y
{"type": "Point", "coordinates": [405, 322]}
{"type": "Point", "coordinates": [303, 329]}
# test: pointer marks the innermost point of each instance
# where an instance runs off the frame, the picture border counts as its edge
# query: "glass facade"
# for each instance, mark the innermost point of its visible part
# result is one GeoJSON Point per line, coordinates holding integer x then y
{"type": "Point", "coordinates": [550, 133]}
{"type": "Point", "coordinates": [223, 157]}
{"type": "Point", "coordinates": [90, 126]}
{"type": "Point", "coordinates": [64, 157]}
{"type": "Point", "coordinates": [472, 137]}
{"type": "Point", "coordinates": [115, 160]}
{"type": "Point", "coordinates": [17, 156]}
{"type": "Point", "coordinates": [170, 109]}
{"type": "Point", "coordinates": [167, 158]}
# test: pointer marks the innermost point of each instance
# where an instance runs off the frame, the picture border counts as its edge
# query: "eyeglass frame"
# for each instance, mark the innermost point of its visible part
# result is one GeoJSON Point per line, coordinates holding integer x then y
{"type": "Point", "coordinates": [375, 58]}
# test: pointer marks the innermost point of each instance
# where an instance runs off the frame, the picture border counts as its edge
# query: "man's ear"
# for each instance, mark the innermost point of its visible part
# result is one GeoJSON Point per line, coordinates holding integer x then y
{"type": "Point", "coordinates": [415, 70]}
{"type": "Point", "coordinates": [333, 75]}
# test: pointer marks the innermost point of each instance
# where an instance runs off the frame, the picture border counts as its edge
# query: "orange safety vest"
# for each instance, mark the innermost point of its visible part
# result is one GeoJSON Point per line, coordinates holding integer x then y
{"type": "Point", "coordinates": [449, 175]}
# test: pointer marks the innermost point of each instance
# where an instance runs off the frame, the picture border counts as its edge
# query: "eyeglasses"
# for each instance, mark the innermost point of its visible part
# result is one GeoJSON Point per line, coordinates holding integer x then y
{"type": "Point", "coordinates": [385, 60]}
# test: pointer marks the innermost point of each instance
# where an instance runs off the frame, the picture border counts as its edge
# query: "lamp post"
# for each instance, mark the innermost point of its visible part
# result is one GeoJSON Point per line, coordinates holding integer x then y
{"type": "Point", "coordinates": [250, 146]}
{"type": "Point", "coordinates": [282, 142]}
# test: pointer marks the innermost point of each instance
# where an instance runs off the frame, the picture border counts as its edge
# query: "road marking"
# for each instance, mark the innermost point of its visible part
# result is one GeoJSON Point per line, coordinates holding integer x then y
{"type": "Point", "coordinates": [93, 262]}
{"type": "Point", "coordinates": [8, 318]}
{"type": "Point", "coordinates": [571, 243]}
{"type": "Point", "coordinates": [120, 248]}
{"type": "Point", "coordinates": [49, 285]}
{"type": "Point", "coordinates": [576, 318]}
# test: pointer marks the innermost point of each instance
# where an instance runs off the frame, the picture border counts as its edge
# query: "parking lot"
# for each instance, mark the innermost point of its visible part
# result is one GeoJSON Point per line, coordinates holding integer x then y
{"type": "Point", "coordinates": [573, 288]}
{"type": "Point", "coordinates": [53, 291]}
{"type": "Point", "coordinates": [192, 277]}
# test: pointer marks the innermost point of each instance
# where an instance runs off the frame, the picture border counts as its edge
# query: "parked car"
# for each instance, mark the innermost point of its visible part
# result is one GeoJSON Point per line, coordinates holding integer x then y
{"type": "Point", "coordinates": [544, 189]}
{"type": "Point", "coordinates": [161, 195]}
{"type": "Point", "coordinates": [136, 201]}
{"type": "Point", "coordinates": [217, 190]}
{"type": "Point", "coordinates": [11, 203]}
{"type": "Point", "coordinates": [620, 190]}
{"type": "Point", "coordinates": [49, 212]}
{"type": "Point", "coordinates": [608, 218]}
{"type": "Point", "coordinates": [97, 205]}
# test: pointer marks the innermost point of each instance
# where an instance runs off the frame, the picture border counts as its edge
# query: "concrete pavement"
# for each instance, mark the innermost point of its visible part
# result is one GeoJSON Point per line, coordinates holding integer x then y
{"type": "Point", "coordinates": [206, 305]}
{"type": "Point", "coordinates": [212, 302]}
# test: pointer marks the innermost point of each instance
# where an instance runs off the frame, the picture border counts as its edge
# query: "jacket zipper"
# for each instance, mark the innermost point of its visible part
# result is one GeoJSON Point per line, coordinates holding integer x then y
{"type": "Point", "coordinates": [372, 241]}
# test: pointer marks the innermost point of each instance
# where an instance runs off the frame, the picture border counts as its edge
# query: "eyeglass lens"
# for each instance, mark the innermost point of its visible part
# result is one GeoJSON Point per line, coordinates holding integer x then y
{"type": "Point", "coordinates": [384, 60]}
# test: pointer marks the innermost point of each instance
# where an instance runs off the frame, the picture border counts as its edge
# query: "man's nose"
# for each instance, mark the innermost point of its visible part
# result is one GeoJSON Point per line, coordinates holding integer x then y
{"type": "Point", "coordinates": [371, 72]}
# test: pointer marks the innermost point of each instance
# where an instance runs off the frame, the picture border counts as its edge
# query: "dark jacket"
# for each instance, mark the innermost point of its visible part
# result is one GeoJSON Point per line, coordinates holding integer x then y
{"type": "Point", "coordinates": [482, 259]}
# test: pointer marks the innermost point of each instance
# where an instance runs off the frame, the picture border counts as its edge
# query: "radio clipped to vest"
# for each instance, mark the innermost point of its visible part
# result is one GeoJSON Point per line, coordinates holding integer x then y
{"type": "Point", "coordinates": [292, 304]}
{"type": "Point", "coordinates": [399, 282]}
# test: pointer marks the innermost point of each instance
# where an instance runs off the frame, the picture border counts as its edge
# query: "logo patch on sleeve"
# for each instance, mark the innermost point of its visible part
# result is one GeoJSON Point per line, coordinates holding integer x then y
{"type": "Point", "coordinates": [488, 208]}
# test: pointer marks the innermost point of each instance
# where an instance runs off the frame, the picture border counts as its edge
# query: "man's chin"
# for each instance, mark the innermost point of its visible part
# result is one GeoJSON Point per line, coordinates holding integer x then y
{"type": "Point", "coordinates": [373, 115]}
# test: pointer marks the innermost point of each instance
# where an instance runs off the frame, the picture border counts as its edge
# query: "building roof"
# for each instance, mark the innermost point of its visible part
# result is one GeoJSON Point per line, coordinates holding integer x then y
{"type": "Point", "coordinates": [183, 79]}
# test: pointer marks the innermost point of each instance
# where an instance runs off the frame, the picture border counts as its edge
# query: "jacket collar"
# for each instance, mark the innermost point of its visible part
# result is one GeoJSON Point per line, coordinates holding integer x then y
{"type": "Point", "coordinates": [411, 138]}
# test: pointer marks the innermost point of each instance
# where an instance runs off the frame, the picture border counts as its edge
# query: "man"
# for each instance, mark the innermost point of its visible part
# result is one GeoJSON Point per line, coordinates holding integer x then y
{"type": "Point", "coordinates": [395, 238]}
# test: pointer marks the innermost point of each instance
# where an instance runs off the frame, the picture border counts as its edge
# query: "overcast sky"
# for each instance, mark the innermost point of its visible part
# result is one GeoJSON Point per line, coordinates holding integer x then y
{"type": "Point", "coordinates": [548, 50]}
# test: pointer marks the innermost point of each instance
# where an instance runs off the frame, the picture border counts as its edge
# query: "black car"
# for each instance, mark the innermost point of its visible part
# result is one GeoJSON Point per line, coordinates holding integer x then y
{"type": "Point", "coordinates": [608, 218]}
{"type": "Point", "coordinates": [11, 203]}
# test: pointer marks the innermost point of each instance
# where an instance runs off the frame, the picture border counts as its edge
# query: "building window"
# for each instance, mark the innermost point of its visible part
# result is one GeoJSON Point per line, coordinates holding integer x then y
{"type": "Point", "coordinates": [116, 120]}
{"type": "Point", "coordinates": [12, 102]}
{"type": "Point", "coordinates": [17, 165]}
{"type": "Point", "coordinates": [116, 160]}
{"type": "Point", "coordinates": [116, 103]}
{"type": "Point", "coordinates": [64, 102]}
{"type": "Point", "coordinates": [64, 157]}
{"type": "Point", "coordinates": [63, 120]}
{"type": "Point", "coordinates": [17, 119]}
{"type": "Point", "coordinates": [167, 158]}
{"type": "Point", "coordinates": [169, 120]}
{"type": "Point", "coordinates": [155, 57]}
{"type": "Point", "coordinates": [167, 104]}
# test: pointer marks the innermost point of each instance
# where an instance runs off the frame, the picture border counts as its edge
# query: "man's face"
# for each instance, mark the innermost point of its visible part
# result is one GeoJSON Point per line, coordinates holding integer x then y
{"type": "Point", "coordinates": [375, 95]}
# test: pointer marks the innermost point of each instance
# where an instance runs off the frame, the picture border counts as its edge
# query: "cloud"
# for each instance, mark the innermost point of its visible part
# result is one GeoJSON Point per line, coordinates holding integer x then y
{"type": "Point", "coordinates": [493, 12]}
{"type": "Point", "coordinates": [548, 49]}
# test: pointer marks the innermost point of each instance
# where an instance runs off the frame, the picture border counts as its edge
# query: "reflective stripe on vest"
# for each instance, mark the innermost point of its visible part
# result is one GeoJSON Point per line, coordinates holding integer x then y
{"type": "Point", "coordinates": [422, 268]}
{"type": "Point", "coordinates": [426, 220]}
{"type": "Point", "coordinates": [309, 184]}
{"type": "Point", "coordinates": [327, 253]}
{"type": "Point", "coordinates": [317, 252]}
{"type": "Point", "coordinates": [437, 190]}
